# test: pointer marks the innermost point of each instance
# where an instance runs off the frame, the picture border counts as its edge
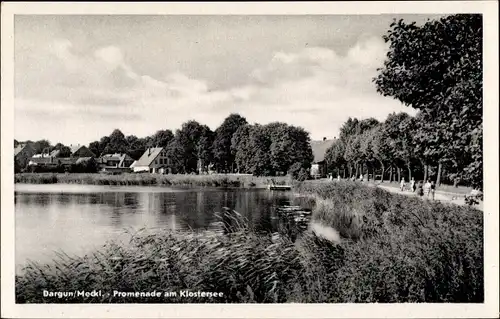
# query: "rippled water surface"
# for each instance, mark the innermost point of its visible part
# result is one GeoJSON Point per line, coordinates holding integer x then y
{"type": "Point", "coordinates": [78, 218]}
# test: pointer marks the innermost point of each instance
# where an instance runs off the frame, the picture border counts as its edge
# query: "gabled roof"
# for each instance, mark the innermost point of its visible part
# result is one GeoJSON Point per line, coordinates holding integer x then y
{"type": "Point", "coordinates": [55, 153]}
{"type": "Point", "coordinates": [319, 149]}
{"type": "Point", "coordinates": [115, 157]}
{"type": "Point", "coordinates": [20, 147]}
{"type": "Point", "coordinates": [149, 156]}
{"type": "Point", "coordinates": [75, 148]}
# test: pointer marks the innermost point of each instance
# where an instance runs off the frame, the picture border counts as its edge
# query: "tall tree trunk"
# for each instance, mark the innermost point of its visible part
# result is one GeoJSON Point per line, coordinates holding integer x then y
{"type": "Point", "coordinates": [426, 171]}
{"type": "Point", "coordinates": [438, 178]}
{"type": "Point", "coordinates": [409, 172]}
{"type": "Point", "coordinates": [390, 174]}
{"type": "Point", "coordinates": [399, 174]}
{"type": "Point", "coordinates": [382, 174]}
{"type": "Point", "coordinates": [356, 172]}
{"type": "Point", "coordinates": [343, 172]}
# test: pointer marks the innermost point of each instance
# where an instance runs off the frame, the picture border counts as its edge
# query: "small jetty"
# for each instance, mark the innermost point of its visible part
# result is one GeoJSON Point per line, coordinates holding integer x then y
{"type": "Point", "coordinates": [279, 187]}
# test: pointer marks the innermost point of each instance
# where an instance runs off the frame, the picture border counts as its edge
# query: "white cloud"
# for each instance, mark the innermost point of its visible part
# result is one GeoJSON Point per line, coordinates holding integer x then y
{"type": "Point", "coordinates": [111, 55]}
{"type": "Point", "coordinates": [315, 88]}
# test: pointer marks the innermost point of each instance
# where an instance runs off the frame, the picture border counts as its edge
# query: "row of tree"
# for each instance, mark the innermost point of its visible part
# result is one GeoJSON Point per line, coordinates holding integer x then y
{"type": "Point", "coordinates": [235, 146]}
{"type": "Point", "coordinates": [436, 69]}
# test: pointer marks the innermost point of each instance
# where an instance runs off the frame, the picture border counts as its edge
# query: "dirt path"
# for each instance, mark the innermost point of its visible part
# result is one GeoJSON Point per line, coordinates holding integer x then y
{"type": "Point", "coordinates": [457, 199]}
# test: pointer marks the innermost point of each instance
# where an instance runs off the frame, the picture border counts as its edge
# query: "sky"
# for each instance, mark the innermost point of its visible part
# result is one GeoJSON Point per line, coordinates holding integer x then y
{"type": "Point", "coordinates": [79, 77]}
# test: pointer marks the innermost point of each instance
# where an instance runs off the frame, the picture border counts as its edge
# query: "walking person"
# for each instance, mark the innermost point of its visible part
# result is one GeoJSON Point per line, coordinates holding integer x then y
{"type": "Point", "coordinates": [433, 189]}
{"type": "Point", "coordinates": [413, 186]}
{"type": "Point", "coordinates": [420, 189]}
{"type": "Point", "coordinates": [402, 185]}
{"type": "Point", "coordinates": [427, 188]}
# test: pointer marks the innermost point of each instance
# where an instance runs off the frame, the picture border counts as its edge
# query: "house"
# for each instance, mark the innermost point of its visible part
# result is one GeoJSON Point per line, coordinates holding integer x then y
{"type": "Point", "coordinates": [318, 167]}
{"type": "Point", "coordinates": [80, 151]}
{"type": "Point", "coordinates": [47, 163]}
{"type": "Point", "coordinates": [22, 154]}
{"type": "Point", "coordinates": [154, 160]}
{"type": "Point", "coordinates": [55, 153]}
{"type": "Point", "coordinates": [115, 163]}
{"type": "Point", "coordinates": [50, 161]}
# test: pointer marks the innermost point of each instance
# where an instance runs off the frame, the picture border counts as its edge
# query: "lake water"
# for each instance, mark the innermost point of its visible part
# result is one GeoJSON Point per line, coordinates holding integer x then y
{"type": "Point", "coordinates": [77, 219]}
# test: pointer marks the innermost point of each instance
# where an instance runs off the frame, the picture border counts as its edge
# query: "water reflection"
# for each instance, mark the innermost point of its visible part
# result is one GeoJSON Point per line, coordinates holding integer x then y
{"type": "Point", "coordinates": [80, 220]}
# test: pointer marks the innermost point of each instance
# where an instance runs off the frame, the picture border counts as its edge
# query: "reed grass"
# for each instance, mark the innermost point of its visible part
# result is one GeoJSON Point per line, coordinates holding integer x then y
{"type": "Point", "coordinates": [391, 249]}
{"type": "Point", "coordinates": [129, 179]}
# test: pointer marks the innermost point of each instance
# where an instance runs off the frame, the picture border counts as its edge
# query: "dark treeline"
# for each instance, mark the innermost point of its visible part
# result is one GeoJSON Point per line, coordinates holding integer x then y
{"type": "Point", "coordinates": [235, 146]}
{"type": "Point", "coordinates": [435, 68]}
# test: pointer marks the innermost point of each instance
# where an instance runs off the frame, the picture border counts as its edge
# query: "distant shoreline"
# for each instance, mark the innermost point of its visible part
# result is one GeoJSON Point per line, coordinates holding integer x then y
{"type": "Point", "coordinates": [129, 179]}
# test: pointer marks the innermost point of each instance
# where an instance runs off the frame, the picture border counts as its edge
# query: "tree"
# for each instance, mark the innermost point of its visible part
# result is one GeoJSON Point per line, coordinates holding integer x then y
{"type": "Point", "coordinates": [398, 128]}
{"type": "Point", "coordinates": [162, 138]}
{"type": "Point", "coordinates": [352, 153]}
{"type": "Point", "coordinates": [437, 69]}
{"type": "Point", "coordinates": [117, 143]}
{"type": "Point", "coordinates": [224, 158]}
{"type": "Point", "coordinates": [348, 129]}
{"type": "Point", "coordinates": [187, 145]}
{"type": "Point", "coordinates": [366, 150]}
{"type": "Point", "coordinates": [258, 149]}
{"type": "Point", "coordinates": [204, 147]}
{"type": "Point", "coordinates": [64, 151]}
{"type": "Point", "coordinates": [175, 154]}
{"type": "Point", "coordinates": [94, 148]}
{"type": "Point", "coordinates": [382, 152]}
{"type": "Point", "coordinates": [41, 146]}
{"type": "Point", "coordinates": [335, 156]}
{"type": "Point", "coordinates": [240, 148]}
{"type": "Point", "coordinates": [136, 146]}
{"type": "Point", "coordinates": [103, 142]}
{"type": "Point", "coordinates": [289, 145]}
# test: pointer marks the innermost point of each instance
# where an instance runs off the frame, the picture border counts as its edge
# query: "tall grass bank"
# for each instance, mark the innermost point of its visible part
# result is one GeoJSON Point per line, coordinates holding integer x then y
{"type": "Point", "coordinates": [216, 180]}
{"type": "Point", "coordinates": [385, 248]}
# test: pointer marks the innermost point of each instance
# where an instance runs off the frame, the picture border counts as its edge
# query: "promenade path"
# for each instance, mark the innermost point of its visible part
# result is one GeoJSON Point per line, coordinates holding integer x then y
{"type": "Point", "coordinates": [441, 196]}
{"type": "Point", "coordinates": [457, 198]}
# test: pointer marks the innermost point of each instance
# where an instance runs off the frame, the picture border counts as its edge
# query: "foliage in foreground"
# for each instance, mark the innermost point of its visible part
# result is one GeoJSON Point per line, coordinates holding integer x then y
{"type": "Point", "coordinates": [392, 249]}
{"type": "Point", "coordinates": [405, 249]}
{"type": "Point", "coordinates": [150, 179]}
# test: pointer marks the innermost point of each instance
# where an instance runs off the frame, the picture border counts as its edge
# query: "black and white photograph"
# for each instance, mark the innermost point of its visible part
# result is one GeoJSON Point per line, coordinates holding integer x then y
{"type": "Point", "coordinates": [296, 158]}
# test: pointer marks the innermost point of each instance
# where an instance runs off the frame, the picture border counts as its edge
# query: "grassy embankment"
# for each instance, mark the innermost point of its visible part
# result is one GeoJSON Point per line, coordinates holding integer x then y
{"type": "Point", "coordinates": [393, 248]}
{"type": "Point", "coordinates": [216, 180]}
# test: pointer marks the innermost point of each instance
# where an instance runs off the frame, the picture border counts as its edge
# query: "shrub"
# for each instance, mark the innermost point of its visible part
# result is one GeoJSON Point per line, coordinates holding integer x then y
{"type": "Point", "coordinates": [303, 175]}
{"type": "Point", "coordinates": [402, 249]}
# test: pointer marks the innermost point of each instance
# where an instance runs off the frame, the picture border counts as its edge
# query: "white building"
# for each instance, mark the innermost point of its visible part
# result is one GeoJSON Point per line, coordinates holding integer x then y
{"type": "Point", "coordinates": [154, 160]}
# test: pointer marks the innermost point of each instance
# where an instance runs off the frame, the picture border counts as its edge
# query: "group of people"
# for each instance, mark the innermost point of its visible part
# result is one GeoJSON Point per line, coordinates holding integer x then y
{"type": "Point", "coordinates": [428, 188]}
